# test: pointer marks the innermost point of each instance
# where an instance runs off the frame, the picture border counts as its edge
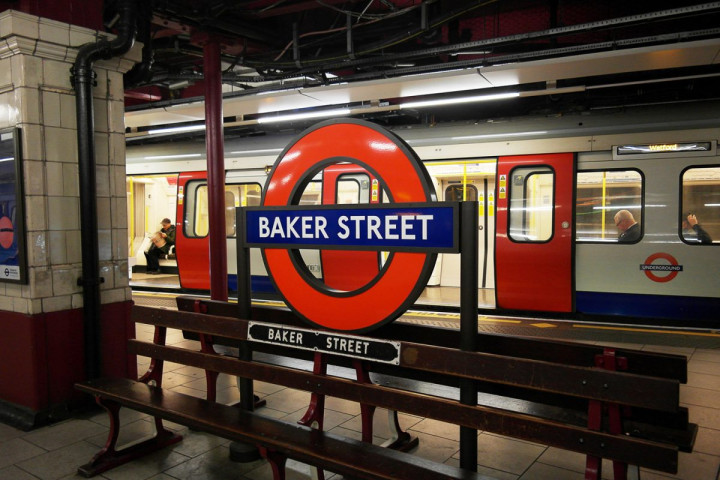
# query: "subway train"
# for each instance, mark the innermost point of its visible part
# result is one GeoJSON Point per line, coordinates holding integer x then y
{"type": "Point", "coordinates": [548, 190]}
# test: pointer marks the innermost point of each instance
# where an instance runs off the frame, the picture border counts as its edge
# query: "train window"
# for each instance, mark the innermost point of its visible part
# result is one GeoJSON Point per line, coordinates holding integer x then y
{"type": "Point", "coordinates": [600, 195]}
{"type": "Point", "coordinates": [196, 221]}
{"type": "Point", "coordinates": [312, 195]}
{"type": "Point", "coordinates": [353, 188]}
{"type": "Point", "coordinates": [239, 195]}
{"type": "Point", "coordinates": [531, 199]}
{"type": "Point", "coordinates": [459, 192]}
{"type": "Point", "coordinates": [701, 203]}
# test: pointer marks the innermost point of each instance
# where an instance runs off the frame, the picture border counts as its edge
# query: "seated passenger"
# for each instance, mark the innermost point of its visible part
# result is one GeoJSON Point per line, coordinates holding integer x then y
{"type": "Point", "coordinates": [628, 228]}
{"type": "Point", "coordinates": [162, 241]}
{"type": "Point", "coordinates": [692, 231]}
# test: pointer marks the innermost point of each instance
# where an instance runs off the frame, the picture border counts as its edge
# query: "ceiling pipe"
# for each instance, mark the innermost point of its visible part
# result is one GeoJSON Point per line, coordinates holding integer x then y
{"type": "Point", "coordinates": [83, 79]}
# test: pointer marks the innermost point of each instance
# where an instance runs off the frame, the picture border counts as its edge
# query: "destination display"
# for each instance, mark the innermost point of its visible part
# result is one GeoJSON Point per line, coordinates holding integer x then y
{"type": "Point", "coordinates": [325, 342]}
{"type": "Point", "coordinates": [427, 227]}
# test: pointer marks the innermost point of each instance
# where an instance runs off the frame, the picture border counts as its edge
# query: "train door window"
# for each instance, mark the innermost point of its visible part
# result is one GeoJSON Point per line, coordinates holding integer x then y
{"type": "Point", "coordinates": [600, 195]}
{"type": "Point", "coordinates": [700, 208]}
{"type": "Point", "coordinates": [196, 223]}
{"type": "Point", "coordinates": [352, 188]}
{"type": "Point", "coordinates": [239, 195]}
{"type": "Point", "coordinates": [457, 192]}
{"type": "Point", "coordinates": [531, 197]}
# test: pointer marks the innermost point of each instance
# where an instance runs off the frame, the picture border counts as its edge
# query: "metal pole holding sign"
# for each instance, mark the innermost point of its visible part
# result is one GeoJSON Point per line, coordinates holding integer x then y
{"type": "Point", "coordinates": [468, 321]}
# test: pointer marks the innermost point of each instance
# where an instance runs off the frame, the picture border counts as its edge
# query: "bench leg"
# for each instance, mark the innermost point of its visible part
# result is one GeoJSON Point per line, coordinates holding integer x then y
{"type": "Point", "coordinates": [315, 414]}
{"type": "Point", "coordinates": [399, 439]}
{"type": "Point", "coordinates": [109, 457]}
{"type": "Point", "coordinates": [276, 461]}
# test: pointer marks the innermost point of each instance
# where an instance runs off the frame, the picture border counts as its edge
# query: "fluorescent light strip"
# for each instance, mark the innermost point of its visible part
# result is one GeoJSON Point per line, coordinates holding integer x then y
{"type": "Point", "coordinates": [257, 152]}
{"type": "Point", "coordinates": [166, 157]}
{"type": "Point", "coordinates": [8, 159]}
{"type": "Point", "coordinates": [190, 128]}
{"type": "Point", "coordinates": [301, 116]}
{"type": "Point", "coordinates": [455, 101]}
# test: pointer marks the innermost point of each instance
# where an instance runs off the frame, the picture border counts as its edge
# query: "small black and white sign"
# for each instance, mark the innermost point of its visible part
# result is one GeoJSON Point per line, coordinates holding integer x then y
{"type": "Point", "coordinates": [337, 344]}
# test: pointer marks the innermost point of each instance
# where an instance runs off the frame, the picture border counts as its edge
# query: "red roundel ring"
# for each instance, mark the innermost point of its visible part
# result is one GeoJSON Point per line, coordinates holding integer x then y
{"type": "Point", "coordinates": [666, 256]}
{"type": "Point", "coordinates": [405, 274]}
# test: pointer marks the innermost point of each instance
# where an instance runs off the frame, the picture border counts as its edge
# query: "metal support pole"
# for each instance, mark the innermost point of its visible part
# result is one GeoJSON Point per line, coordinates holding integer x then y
{"type": "Point", "coordinates": [468, 321]}
{"type": "Point", "coordinates": [215, 170]}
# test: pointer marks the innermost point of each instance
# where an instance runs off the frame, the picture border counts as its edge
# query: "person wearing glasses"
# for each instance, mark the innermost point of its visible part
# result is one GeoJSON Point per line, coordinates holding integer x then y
{"type": "Point", "coordinates": [628, 228]}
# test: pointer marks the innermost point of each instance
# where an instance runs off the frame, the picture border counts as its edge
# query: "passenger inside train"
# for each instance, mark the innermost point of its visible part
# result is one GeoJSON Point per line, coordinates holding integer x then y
{"type": "Point", "coordinates": [628, 228]}
{"type": "Point", "coordinates": [692, 231]}
{"type": "Point", "coordinates": [162, 241]}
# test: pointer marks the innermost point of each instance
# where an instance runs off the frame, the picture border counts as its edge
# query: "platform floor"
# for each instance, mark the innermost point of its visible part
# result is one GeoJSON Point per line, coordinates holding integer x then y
{"type": "Point", "coordinates": [54, 452]}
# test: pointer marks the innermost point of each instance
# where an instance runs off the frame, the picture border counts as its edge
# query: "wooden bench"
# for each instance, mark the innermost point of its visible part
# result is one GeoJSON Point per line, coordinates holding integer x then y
{"type": "Point", "coordinates": [596, 388]}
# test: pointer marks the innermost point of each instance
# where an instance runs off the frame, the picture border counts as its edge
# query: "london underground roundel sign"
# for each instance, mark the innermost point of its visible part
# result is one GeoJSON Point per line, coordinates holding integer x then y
{"type": "Point", "coordinates": [404, 178]}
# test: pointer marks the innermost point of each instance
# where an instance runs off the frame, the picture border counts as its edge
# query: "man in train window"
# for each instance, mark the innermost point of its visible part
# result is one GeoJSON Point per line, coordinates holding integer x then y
{"type": "Point", "coordinates": [628, 228]}
{"type": "Point", "coordinates": [162, 241]}
{"type": "Point", "coordinates": [692, 232]}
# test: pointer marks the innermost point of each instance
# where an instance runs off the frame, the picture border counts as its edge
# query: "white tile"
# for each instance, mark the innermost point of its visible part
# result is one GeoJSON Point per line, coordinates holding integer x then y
{"type": "Point", "coordinates": [50, 50]}
{"type": "Point", "coordinates": [101, 115]}
{"type": "Point", "coordinates": [102, 148]}
{"type": "Point", "coordinates": [115, 295]}
{"type": "Point", "coordinates": [37, 249]}
{"type": "Point", "coordinates": [34, 174]}
{"type": "Point", "coordinates": [6, 73]}
{"type": "Point", "coordinates": [104, 244]}
{"type": "Point", "coordinates": [68, 117]}
{"type": "Point", "coordinates": [56, 74]}
{"type": "Point", "coordinates": [22, 24]}
{"type": "Point", "coordinates": [99, 90]}
{"type": "Point", "coordinates": [33, 144]}
{"type": "Point", "coordinates": [116, 116]}
{"type": "Point", "coordinates": [55, 32]}
{"type": "Point", "coordinates": [65, 282]}
{"type": "Point", "coordinates": [35, 216]}
{"type": "Point", "coordinates": [104, 215]}
{"type": "Point", "coordinates": [70, 180]}
{"type": "Point", "coordinates": [108, 276]}
{"type": "Point", "coordinates": [21, 305]}
{"type": "Point", "coordinates": [57, 241]}
{"type": "Point", "coordinates": [63, 213]}
{"type": "Point", "coordinates": [61, 144]}
{"type": "Point", "coordinates": [102, 178]}
{"type": "Point", "coordinates": [74, 246]}
{"type": "Point", "coordinates": [54, 187]}
{"type": "Point", "coordinates": [79, 36]}
{"type": "Point", "coordinates": [56, 303]}
{"type": "Point", "coordinates": [26, 71]}
{"type": "Point", "coordinates": [40, 283]}
{"type": "Point", "coordinates": [51, 108]}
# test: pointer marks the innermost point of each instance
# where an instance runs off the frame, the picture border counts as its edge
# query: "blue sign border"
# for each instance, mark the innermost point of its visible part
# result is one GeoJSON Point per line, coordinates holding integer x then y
{"type": "Point", "coordinates": [331, 222]}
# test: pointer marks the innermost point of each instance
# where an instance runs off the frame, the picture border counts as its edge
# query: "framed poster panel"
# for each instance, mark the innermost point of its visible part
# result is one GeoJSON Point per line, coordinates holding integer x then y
{"type": "Point", "coordinates": [13, 266]}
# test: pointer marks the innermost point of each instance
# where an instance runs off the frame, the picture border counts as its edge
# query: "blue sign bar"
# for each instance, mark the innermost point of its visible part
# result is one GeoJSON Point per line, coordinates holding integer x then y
{"type": "Point", "coordinates": [392, 227]}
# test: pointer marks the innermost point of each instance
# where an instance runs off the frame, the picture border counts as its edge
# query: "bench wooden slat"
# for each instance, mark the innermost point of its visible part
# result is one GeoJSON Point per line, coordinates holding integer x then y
{"type": "Point", "coordinates": [338, 454]}
{"type": "Point", "coordinates": [654, 364]}
{"type": "Point", "coordinates": [624, 448]}
{"type": "Point", "coordinates": [584, 382]}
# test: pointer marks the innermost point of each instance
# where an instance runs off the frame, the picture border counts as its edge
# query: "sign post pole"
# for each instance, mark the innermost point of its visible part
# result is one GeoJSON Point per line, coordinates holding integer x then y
{"type": "Point", "coordinates": [468, 321]}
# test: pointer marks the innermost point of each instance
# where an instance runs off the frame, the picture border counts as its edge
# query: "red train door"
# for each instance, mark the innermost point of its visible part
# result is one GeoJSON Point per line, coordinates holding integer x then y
{"type": "Point", "coordinates": [192, 244]}
{"type": "Point", "coordinates": [349, 270]}
{"type": "Point", "coordinates": [534, 232]}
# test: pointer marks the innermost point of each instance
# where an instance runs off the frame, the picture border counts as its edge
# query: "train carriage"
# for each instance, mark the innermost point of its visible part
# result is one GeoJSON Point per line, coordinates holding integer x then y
{"type": "Point", "coordinates": [548, 190]}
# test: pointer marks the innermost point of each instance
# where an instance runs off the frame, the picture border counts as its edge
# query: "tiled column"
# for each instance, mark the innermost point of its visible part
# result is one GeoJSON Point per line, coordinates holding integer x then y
{"type": "Point", "coordinates": [41, 322]}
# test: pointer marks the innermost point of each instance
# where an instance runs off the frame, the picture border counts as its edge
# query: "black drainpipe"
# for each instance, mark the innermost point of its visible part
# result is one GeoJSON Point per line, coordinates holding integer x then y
{"type": "Point", "coordinates": [83, 80]}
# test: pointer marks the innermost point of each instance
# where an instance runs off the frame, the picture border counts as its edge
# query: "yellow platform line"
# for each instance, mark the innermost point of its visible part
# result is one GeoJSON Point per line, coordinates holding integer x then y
{"type": "Point", "coordinates": [649, 330]}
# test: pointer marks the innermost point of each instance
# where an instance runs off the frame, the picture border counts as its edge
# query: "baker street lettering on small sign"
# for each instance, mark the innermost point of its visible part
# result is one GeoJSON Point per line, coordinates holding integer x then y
{"type": "Point", "coordinates": [345, 345]}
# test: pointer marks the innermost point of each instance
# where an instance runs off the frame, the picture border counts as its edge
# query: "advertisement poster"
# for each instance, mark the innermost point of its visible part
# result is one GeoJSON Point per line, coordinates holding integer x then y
{"type": "Point", "coordinates": [12, 231]}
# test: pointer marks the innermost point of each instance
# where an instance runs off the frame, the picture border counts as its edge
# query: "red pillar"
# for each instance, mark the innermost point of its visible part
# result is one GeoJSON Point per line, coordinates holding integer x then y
{"type": "Point", "coordinates": [215, 169]}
